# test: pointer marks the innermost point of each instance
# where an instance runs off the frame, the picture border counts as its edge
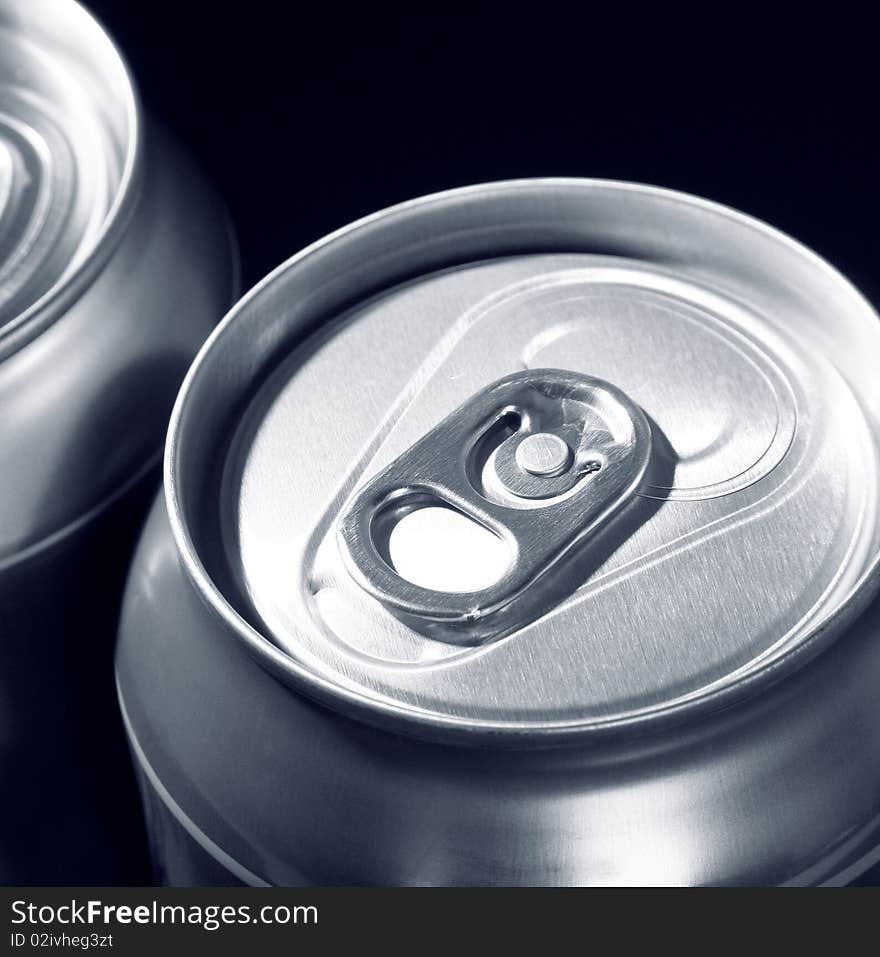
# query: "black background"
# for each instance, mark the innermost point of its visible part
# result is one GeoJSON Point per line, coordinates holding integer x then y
{"type": "Point", "coordinates": [306, 116]}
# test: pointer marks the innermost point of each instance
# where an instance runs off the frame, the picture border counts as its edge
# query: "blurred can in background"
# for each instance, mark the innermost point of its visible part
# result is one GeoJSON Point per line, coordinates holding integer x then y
{"type": "Point", "coordinates": [520, 534]}
{"type": "Point", "coordinates": [115, 262]}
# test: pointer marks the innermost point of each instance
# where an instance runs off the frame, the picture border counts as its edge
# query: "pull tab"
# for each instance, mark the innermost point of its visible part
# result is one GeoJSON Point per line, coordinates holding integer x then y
{"type": "Point", "coordinates": [541, 458]}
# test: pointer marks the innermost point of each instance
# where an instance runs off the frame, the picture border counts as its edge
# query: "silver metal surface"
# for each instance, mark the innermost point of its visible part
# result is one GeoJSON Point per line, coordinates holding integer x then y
{"type": "Point", "coordinates": [460, 464]}
{"type": "Point", "coordinates": [718, 613]}
{"type": "Point", "coordinates": [754, 522]}
{"type": "Point", "coordinates": [544, 454]}
{"type": "Point", "coordinates": [115, 262]}
{"type": "Point", "coordinates": [68, 152]}
{"type": "Point", "coordinates": [246, 779]}
{"type": "Point", "coordinates": [85, 401]}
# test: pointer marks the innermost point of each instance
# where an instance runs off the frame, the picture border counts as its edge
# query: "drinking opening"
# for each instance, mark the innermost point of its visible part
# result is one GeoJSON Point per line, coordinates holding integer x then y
{"type": "Point", "coordinates": [433, 545]}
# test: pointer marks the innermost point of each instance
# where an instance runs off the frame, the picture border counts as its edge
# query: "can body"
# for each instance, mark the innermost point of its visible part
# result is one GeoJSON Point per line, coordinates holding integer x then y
{"type": "Point", "coordinates": [326, 800]}
{"type": "Point", "coordinates": [262, 760]}
{"type": "Point", "coordinates": [87, 378]}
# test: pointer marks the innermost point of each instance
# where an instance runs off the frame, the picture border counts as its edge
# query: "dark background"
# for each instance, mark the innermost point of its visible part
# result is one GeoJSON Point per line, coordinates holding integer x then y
{"type": "Point", "coordinates": [307, 116]}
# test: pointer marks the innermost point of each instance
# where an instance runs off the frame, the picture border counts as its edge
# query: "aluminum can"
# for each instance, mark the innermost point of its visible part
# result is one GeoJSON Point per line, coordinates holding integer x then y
{"type": "Point", "coordinates": [115, 262]}
{"type": "Point", "coordinates": [521, 534]}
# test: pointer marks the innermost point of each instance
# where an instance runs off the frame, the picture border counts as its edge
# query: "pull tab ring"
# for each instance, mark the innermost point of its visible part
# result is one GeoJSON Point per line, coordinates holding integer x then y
{"type": "Point", "coordinates": [540, 458]}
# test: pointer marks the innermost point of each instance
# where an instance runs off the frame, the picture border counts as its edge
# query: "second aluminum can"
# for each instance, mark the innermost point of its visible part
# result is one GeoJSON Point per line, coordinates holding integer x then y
{"type": "Point", "coordinates": [115, 262]}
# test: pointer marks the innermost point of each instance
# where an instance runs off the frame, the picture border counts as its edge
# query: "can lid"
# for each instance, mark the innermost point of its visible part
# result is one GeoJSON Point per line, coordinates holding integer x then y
{"type": "Point", "coordinates": [67, 151]}
{"type": "Point", "coordinates": [562, 456]}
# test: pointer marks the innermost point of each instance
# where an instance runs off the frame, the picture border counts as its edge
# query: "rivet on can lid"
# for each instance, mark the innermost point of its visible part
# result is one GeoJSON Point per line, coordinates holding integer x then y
{"type": "Point", "coordinates": [543, 454]}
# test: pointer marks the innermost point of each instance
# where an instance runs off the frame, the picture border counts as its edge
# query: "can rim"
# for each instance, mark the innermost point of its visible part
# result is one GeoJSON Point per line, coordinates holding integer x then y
{"type": "Point", "coordinates": [403, 718]}
{"type": "Point", "coordinates": [51, 304]}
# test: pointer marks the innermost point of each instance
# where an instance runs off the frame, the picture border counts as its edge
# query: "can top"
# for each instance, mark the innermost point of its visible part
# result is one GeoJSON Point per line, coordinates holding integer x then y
{"type": "Point", "coordinates": [558, 456]}
{"type": "Point", "coordinates": [68, 143]}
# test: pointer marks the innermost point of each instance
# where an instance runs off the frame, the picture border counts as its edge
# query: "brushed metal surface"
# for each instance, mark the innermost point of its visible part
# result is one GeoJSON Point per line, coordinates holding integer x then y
{"type": "Point", "coordinates": [757, 518]}
{"type": "Point", "coordinates": [732, 294]}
